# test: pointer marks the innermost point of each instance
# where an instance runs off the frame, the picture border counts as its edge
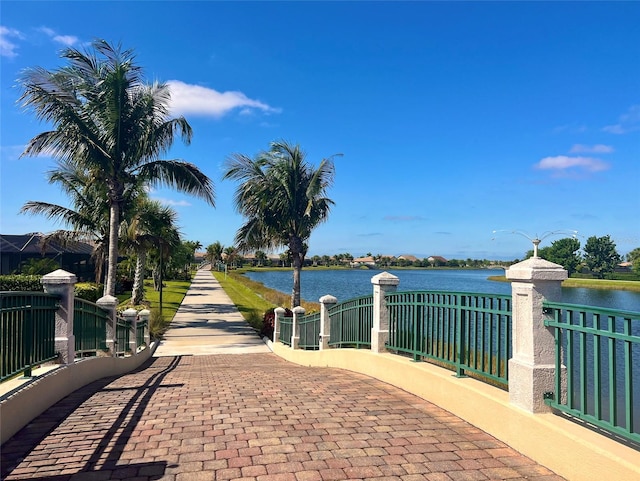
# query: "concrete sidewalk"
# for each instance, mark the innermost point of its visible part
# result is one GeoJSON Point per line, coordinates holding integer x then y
{"type": "Point", "coordinates": [208, 322]}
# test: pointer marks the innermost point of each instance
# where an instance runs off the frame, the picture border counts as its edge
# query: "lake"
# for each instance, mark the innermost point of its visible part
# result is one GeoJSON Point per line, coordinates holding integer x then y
{"type": "Point", "coordinates": [346, 284]}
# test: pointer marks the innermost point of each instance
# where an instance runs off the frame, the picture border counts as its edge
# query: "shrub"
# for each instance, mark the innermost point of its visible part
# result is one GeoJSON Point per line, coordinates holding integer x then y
{"type": "Point", "coordinates": [157, 324]}
{"type": "Point", "coordinates": [20, 282]}
{"type": "Point", "coordinates": [268, 322]}
{"type": "Point", "coordinates": [88, 291]}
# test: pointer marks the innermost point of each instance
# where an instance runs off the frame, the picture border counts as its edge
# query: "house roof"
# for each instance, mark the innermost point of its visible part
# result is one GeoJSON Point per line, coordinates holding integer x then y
{"type": "Point", "coordinates": [32, 244]}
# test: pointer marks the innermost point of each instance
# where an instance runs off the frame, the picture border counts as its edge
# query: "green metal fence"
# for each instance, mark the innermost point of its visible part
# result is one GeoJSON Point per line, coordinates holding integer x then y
{"type": "Point", "coordinates": [310, 331]}
{"type": "Point", "coordinates": [469, 332]}
{"type": "Point", "coordinates": [351, 322]}
{"type": "Point", "coordinates": [141, 328]}
{"type": "Point", "coordinates": [27, 331]}
{"type": "Point", "coordinates": [598, 360]}
{"type": "Point", "coordinates": [285, 327]}
{"type": "Point", "coordinates": [123, 329]}
{"type": "Point", "coordinates": [89, 327]}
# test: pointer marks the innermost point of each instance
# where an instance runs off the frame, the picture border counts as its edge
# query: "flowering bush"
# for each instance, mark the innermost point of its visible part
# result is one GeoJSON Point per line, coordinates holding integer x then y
{"type": "Point", "coordinates": [268, 322]}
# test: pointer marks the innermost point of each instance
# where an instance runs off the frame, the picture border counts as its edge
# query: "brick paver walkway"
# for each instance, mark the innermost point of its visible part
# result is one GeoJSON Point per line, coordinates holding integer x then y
{"type": "Point", "coordinates": [254, 417]}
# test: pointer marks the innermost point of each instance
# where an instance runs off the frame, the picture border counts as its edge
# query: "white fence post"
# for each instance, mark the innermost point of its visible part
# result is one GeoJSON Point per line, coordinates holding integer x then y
{"type": "Point", "coordinates": [145, 316]}
{"type": "Point", "coordinates": [532, 365]}
{"type": "Point", "coordinates": [130, 315]}
{"type": "Point", "coordinates": [326, 302]}
{"type": "Point", "coordinates": [295, 329]}
{"type": "Point", "coordinates": [62, 283]}
{"type": "Point", "coordinates": [109, 304]}
{"type": "Point", "coordinates": [279, 314]}
{"type": "Point", "coordinates": [382, 283]}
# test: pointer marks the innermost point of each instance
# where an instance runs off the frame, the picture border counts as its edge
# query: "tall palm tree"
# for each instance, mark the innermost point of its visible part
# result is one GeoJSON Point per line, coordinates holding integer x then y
{"type": "Point", "coordinates": [112, 125]}
{"type": "Point", "coordinates": [144, 232]}
{"type": "Point", "coordinates": [283, 199]}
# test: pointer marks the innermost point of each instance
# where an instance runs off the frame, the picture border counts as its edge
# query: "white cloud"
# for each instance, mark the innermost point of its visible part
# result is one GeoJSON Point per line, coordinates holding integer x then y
{"type": "Point", "coordinates": [7, 47]}
{"type": "Point", "coordinates": [564, 162]}
{"type": "Point", "coordinates": [66, 40]}
{"type": "Point", "coordinates": [198, 100]}
{"type": "Point", "coordinates": [628, 122]}
{"type": "Point", "coordinates": [591, 149]}
{"type": "Point", "coordinates": [171, 202]}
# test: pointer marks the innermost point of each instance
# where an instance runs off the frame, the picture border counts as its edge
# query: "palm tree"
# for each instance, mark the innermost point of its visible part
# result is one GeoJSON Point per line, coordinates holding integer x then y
{"type": "Point", "coordinates": [112, 125]}
{"type": "Point", "coordinates": [283, 199]}
{"type": "Point", "coordinates": [88, 219]}
{"type": "Point", "coordinates": [214, 252]}
{"type": "Point", "coordinates": [144, 232]}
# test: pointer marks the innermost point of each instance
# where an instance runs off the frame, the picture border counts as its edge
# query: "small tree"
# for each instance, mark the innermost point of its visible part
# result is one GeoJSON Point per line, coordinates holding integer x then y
{"type": "Point", "coordinates": [600, 255]}
{"type": "Point", "coordinates": [563, 252]}
{"type": "Point", "coordinates": [634, 258]}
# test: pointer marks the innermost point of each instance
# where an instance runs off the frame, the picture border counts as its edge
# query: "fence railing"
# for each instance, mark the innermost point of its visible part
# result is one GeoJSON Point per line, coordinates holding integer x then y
{"type": "Point", "coordinates": [351, 322]}
{"type": "Point", "coordinates": [468, 332]}
{"type": "Point", "coordinates": [123, 330]}
{"type": "Point", "coordinates": [141, 330]}
{"type": "Point", "coordinates": [309, 331]}
{"type": "Point", "coordinates": [286, 330]}
{"type": "Point", "coordinates": [598, 360]}
{"type": "Point", "coordinates": [27, 331]}
{"type": "Point", "coordinates": [89, 321]}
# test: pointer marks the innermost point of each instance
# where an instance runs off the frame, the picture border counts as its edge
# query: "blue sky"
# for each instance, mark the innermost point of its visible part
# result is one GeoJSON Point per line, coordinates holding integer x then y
{"type": "Point", "coordinates": [454, 119]}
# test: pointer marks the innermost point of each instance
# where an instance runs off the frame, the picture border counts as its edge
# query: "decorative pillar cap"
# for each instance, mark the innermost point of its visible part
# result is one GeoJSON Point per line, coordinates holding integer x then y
{"type": "Point", "coordinates": [385, 279]}
{"type": "Point", "coordinates": [299, 310]}
{"type": "Point", "coordinates": [328, 299]}
{"type": "Point", "coordinates": [59, 277]}
{"type": "Point", "coordinates": [536, 268]}
{"type": "Point", "coordinates": [279, 310]}
{"type": "Point", "coordinates": [130, 312]}
{"type": "Point", "coordinates": [107, 301]}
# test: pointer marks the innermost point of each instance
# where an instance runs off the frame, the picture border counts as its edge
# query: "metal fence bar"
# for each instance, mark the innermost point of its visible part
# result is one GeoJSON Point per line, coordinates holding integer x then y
{"type": "Point", "coordinates": [89, 327]}
{"type": "Point", "coordinates": [599, 366]}
{"type": "Point", "coordinates": [27, 331]}
{"type": "Point", "coordinates": [286, 330]}
{"type": "Point", "coordinates": [468, 332]}
{"type": "Point", "coordinates": [123, 329]}
{"type": "Point", "coordinates": [351, 322]}
{"type": "Point", "coordinates": [310, 331]}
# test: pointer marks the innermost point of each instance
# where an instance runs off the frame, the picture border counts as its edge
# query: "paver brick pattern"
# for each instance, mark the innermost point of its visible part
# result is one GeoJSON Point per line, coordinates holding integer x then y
{"type": "Point", "coordinates": [254, 417]}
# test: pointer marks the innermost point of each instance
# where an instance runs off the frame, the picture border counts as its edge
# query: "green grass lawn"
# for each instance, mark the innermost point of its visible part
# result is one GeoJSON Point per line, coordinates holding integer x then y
{"type": "Point", "coordinates": [253, 298]}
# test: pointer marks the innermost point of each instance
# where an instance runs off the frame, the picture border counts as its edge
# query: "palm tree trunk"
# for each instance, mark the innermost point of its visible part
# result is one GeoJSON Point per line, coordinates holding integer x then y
{"type": "Point", "coordinates": [114, 227]}
{"type": "Point", "coordinates": [138, 279]}
{"type": "Point", "coordinates": [297, 256]}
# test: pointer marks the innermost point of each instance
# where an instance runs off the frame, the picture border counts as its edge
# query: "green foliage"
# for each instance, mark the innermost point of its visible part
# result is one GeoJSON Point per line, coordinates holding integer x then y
{"type": "Point", "coordinates": [634, 258]}
{"type": "Point", "coordinates": [88, 291]}
{"type": "Point", "coordinates": [600, 255]}
{"type": "Point", "coordinates": [21, 282]}
{"type": "Point", "coordinates": [35, 266]}
{"type": "Point", "coordinates": [158, 324]}
{"type": "Point", "coordinates": [563, 252]}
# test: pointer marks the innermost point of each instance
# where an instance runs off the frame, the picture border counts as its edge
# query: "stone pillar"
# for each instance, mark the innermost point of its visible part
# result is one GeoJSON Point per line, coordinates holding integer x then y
{"type": "Point", "coordinates": [382, 283]}
{"type": "Point", "coordinates": [532, 366]}
{"type": "Point", "coordinates": [109, 304]}
{"type": "Point", "coordinates": [326, 302]}
{"type": "Point", "coordinates": [145, 316]}
{"type": "Point", "coordinates": [62, 283]}
{"type": "Point", "coordinates": [279, 314]}
{"type": "Point", "coordinates": [130, 315]}
{"type": "Point", "coordinates": [298, 312]}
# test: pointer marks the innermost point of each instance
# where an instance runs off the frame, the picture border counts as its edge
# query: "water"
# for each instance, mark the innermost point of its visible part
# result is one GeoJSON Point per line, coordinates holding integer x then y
{"type": "Point", "coordinates": [349, 283]}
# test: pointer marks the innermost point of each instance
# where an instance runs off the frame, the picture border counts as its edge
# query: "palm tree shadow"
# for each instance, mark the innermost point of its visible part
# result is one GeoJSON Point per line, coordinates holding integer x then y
{"type": "Point", "coordinates": [108, 449]}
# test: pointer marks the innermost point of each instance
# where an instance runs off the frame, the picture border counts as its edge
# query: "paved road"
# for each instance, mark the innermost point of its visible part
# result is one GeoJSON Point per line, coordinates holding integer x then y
{"type": "Point", "coordinates": [252, 417]}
